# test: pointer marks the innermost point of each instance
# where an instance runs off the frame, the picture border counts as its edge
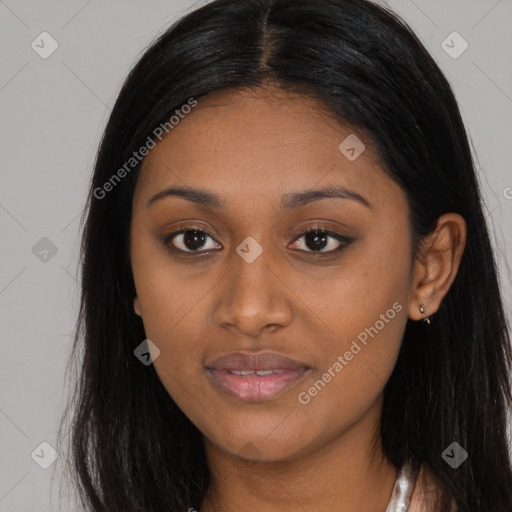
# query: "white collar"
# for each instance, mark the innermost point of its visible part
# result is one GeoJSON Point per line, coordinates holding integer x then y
{"type": "Point", "coordinates": [402, 491]}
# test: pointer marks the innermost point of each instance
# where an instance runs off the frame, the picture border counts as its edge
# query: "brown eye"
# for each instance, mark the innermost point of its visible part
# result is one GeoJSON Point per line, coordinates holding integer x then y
{"type": "Point", "coordinates": [321, 240]}
{"type": "Point", "coordinates": [191, 240]}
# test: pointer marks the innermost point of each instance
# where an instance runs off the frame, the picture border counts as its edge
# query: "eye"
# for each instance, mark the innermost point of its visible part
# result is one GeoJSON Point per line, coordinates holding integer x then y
{"type": "Point", "coordinates": [190, 239]}
{"type": "Point", "coordinates": [317, 240]}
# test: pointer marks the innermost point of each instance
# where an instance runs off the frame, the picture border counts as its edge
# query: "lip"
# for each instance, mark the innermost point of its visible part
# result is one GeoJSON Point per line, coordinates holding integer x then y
{"type": "Point", "coordinates": [266, 360]}
{"type": "Point", "coordinates": [251, 387]}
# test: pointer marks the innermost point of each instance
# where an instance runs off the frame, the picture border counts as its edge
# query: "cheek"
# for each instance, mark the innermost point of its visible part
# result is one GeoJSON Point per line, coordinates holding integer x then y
{"type": "Point", "coordinates": [363, 316]}
{"type": "Point", "coordinates": [164, 289]}
{"type": "Point", "coordinates": [357, 364]}
{"type": "Point", "coordinates": [173, 299]}
{"type": "Point", "coordinates": [367, 282]}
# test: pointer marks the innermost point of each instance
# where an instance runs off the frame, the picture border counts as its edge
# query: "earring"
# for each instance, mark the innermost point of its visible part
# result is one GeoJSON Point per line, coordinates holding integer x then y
{"type": "Point", "coordinates": [427, 317]}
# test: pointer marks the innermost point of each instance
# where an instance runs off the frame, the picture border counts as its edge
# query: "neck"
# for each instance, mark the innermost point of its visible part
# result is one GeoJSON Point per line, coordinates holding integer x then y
{"type": "Point", "coordinates": [349, 473]}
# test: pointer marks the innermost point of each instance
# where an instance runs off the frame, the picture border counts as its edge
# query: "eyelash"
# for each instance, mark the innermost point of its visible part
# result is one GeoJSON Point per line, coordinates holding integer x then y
{"type": "Point", "coordinates": [324, 230]}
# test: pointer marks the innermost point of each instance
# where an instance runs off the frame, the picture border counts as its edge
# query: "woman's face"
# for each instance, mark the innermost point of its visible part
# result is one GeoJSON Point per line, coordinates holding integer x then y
{"type": "Point", "coordinates": [245, 281]}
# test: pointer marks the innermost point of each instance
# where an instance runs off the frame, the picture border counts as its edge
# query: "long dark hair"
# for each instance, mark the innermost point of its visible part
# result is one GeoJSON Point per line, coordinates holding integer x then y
{"type": "Point", "coordinates": [132, 448]}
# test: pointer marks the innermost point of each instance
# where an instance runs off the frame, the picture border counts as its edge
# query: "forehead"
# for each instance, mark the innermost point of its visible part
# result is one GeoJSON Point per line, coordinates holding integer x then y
{"type": "Point", "coordinates": [252, 144]}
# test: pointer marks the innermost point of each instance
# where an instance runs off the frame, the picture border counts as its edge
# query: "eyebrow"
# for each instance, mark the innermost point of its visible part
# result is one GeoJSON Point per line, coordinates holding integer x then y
{"type": "Point", "coordinates": [289, 201]}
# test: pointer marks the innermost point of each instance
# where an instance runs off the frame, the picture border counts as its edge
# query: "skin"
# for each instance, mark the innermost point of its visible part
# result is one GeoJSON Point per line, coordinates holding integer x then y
{"type": "Point", "coordinates": [252, 147]}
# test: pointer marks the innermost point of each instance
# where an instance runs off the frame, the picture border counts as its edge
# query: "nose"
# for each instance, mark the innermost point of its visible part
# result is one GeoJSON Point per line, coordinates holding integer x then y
{"type": "Point", "coordinates": [254, 297]}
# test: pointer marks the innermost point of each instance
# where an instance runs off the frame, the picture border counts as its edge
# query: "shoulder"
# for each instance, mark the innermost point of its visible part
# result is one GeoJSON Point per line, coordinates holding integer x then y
{"type": "Point", "coordinates": [424, 493]}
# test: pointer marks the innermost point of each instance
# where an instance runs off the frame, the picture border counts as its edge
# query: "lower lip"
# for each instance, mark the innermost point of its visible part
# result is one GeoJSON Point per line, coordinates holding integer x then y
{"type": "Point", "coordinates": [256, 388]}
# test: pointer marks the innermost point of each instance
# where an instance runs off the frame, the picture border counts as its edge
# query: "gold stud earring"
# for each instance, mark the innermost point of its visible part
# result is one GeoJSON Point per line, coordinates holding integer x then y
{"type": "Point", "coordinates": [427, 317]}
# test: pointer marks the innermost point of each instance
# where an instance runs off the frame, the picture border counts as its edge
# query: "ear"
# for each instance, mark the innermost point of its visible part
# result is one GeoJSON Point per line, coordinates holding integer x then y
{"type": "Point", "coordinates": [436, 265]}
{"type": "Point", "coordinates": [136, 306]}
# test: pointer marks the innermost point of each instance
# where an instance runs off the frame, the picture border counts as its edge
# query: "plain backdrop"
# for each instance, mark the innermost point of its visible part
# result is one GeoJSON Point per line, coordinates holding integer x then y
{"type": "Point", "coordinates": [53, 111]}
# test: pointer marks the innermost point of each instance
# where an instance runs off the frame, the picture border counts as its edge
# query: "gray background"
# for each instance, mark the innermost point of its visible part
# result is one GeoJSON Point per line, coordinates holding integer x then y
{"type": "Point", "coordinates": [53, 112]}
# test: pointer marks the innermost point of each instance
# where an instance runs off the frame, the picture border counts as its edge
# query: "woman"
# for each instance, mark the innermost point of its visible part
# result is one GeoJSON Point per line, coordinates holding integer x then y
{"type": "Point", "coordinates": [289, 296]}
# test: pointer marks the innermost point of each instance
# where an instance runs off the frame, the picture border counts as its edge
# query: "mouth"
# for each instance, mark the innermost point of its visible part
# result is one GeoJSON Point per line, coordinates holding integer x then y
{"type": "Point", "coordinates": [255, 377]}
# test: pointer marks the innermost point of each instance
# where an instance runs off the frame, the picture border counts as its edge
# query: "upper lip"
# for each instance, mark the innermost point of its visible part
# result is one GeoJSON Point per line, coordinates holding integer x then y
{"type": "Point", "coordinates": [267, 360]}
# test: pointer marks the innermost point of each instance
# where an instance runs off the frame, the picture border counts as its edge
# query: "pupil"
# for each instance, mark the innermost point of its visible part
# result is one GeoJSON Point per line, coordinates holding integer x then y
{"type": "Point", "coordinates": [191, 237]}
{"type": "Point", "coordinates": [315, 237]}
